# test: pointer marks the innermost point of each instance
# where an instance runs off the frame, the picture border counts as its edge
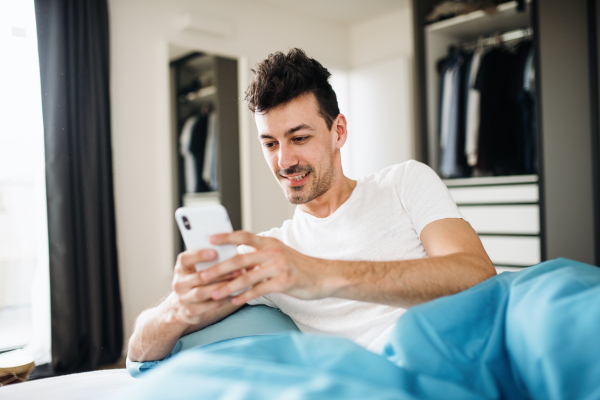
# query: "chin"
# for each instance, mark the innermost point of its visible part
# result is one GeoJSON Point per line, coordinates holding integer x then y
{"type": "Point", "coordinates": [294, 197]}
{"type": "Point", "coordinates": [296, 201]}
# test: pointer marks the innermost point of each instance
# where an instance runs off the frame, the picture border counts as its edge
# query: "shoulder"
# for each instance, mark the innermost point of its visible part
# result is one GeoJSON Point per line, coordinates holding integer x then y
{"type": "Point", "coordinates": [411, 180]}
{"type": "Point", "coordinates": [399, 173]}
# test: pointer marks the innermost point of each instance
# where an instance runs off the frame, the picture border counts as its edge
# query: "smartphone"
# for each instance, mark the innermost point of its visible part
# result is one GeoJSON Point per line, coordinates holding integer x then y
{"type": "Point", "coordinates": [197, 224]}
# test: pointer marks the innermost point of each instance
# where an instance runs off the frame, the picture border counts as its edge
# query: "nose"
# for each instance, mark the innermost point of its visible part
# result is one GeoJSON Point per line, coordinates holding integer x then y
{"type": "Point", "coordinates": [287, 157]}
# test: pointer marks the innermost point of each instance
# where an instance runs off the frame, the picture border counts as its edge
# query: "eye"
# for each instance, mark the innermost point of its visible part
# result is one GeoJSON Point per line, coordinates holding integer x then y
{"type": "Point", "coordinates": [300, 139]}
{"type": "Point", "coordinates": [268, 145]}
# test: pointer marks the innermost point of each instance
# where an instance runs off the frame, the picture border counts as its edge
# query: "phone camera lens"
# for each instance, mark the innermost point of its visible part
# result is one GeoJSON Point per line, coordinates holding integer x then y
{"type": "Point", "coordinates": [186, 223]}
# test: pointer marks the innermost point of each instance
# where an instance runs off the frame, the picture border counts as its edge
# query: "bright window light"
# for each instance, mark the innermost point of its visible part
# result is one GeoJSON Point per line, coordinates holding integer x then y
{"type": "Point", "coordinates": [23, 215]}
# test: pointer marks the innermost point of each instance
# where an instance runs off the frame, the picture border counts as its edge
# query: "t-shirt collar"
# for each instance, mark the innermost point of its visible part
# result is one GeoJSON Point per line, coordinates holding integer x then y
{"type": "Point", "coordinates": [298, 213]}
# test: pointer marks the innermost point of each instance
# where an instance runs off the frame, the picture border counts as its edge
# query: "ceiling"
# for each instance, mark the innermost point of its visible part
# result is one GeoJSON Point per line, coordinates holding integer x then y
{"type": "Point", "coordinates": [340, 11]}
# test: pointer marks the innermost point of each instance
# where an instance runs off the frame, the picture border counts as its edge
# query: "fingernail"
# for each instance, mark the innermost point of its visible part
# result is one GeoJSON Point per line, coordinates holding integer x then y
{"type": "Point", "coordinates": [204, 275]}
{"type": "Point", "coordinates": [236, 301]}
{"type": "Point", "coordinates": [215, 294]}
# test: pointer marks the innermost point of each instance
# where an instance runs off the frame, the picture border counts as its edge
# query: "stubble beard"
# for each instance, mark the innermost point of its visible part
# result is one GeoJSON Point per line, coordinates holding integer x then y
{"type": "Point", "coordinates": [318, 185]}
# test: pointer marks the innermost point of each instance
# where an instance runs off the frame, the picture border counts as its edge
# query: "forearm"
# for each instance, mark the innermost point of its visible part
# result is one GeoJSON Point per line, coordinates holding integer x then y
{"type": "Point", "coordinates": [156, 332]}
{"type": "Point", "coordinates": [403, 283]}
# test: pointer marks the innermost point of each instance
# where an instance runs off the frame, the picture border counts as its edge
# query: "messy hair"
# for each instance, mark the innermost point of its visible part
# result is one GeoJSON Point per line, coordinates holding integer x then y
{"type": "Point", "coordinates": [282, 78]}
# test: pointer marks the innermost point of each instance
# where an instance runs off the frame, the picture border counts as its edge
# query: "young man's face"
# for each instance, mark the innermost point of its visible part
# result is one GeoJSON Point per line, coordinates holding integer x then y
{"type": "Point", "coordinates": [298, 148]}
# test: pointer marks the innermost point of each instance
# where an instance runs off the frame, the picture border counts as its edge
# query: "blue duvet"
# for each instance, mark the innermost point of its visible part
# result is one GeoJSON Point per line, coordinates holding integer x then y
{"type": "Point", "coordinates": [531, 334]}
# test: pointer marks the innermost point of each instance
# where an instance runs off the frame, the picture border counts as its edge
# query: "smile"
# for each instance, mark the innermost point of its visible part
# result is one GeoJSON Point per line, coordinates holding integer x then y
{"type": "Point", "coordinates": [297, 180]}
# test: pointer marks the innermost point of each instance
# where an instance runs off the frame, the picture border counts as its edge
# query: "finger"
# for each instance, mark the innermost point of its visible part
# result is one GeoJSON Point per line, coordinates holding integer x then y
{"type": "Point", "coordinates": [244, 281]}
{"type": "Point", "coordinates": [191, 312]}
{"type": "Point", "coordinates": [269, 286]}
{"type": "Point", "coordinates": [186, 261]}
{"type": "Point", "coordinates": [238, 237]}
{"type": "Point", "coordinates": [185, 283]}
{"type": "Point", "coordinates": [199, 294]}
{"type": "Point", "coordinates": [182, 284]}
{"type": "Point", "coordinates": [192, 280]}
{"type": "Point", "coordinates": [232, 275]}
{"type": "Point", "coordinates": [248, 260]}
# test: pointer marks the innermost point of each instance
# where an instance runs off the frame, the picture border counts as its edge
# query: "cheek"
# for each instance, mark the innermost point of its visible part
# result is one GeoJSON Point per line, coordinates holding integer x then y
{"type": "Point", "coordinates": [272, 160]}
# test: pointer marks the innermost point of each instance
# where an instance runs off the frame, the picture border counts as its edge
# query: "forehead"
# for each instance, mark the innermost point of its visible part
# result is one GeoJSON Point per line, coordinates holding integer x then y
{"type": "Point", "coordinates": [302, 110]}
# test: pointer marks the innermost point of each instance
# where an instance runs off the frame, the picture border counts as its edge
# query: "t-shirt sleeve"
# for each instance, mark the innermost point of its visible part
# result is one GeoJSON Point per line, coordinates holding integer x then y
{"type": "Point", "coordinates": [424, 196]}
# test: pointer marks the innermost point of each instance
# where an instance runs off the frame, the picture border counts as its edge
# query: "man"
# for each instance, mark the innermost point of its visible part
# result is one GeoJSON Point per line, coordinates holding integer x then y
{"type": "Point", "coordinates": [356, 253]}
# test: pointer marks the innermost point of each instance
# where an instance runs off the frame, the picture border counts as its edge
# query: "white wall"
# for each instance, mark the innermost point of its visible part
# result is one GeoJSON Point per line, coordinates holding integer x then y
{"type": "Point", "coordinates": [381, 129]}
{"type": "Point", "coordinates": [140, 33]}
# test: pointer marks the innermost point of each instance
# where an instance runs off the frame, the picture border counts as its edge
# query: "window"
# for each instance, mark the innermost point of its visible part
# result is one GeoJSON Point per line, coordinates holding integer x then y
{"type": "Point", "coordinates": [23, 215]}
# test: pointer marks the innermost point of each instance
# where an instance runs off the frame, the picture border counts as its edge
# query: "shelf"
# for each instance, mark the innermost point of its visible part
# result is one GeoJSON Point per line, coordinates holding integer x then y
{"type": "Point", "coordinates": [491, 180]}
{"type": "Point", "coordinates": [477, 23]}
{"type": "Point", "coordinates": [202, 195]}
{"type": "Point", "coordinates": [200, 95]}
{"type": "Point", "coordinates": [200, 199]}
{"type": "Point", "coordinates": [204, 63]}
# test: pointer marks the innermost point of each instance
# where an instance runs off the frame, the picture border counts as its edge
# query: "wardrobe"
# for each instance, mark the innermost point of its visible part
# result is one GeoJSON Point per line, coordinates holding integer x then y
{"type": "Point", "coordinates": [530, 205]}
{"type": "Point", "coordinates": [205, 133]}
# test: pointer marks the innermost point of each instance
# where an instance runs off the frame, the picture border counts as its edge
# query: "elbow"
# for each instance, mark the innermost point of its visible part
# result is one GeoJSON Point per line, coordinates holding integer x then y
{"type": "Point", "coordinates": [486, 268]}
{"type": "Point", "coordinates": [136, 353]}
{"type": "Point", "coordinates": [135, 346]}
{"type": "Point", "coordinates": [480, 266]}
{"type": "Point", "coordinates": [133, 353]}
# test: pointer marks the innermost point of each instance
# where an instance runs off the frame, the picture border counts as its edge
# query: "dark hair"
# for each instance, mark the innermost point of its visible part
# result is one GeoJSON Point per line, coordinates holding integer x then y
{"type": "Point", "coordinates": [283, 77]}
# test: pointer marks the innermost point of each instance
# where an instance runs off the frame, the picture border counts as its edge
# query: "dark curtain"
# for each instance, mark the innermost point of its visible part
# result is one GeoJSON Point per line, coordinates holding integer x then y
{"type": "Point", "coordinates": [73, 50]}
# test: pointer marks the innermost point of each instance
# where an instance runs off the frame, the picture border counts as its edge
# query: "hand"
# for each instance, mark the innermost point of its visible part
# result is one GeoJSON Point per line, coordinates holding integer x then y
{"type": "Point", "coordinates": [274, 267]}
{"type": "Point", "coordinates": [191, 299]}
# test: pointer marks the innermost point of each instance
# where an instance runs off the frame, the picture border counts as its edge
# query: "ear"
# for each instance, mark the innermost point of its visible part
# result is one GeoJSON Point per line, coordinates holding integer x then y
{"type": "Point", "coordinates": [340, 131]}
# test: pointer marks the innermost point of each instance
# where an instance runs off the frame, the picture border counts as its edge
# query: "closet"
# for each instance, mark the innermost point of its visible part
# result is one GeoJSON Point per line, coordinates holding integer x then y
{"type": "Point", "coordinates": [205, 137]}
{"type": "Point", "coordinates": [530, 198]}
{"type": "Point", "coordinates": [475, 72]}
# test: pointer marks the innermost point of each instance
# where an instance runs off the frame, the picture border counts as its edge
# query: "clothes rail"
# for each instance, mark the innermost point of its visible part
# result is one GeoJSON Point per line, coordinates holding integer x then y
{"type": "Point", "coordinates": [498, 39]}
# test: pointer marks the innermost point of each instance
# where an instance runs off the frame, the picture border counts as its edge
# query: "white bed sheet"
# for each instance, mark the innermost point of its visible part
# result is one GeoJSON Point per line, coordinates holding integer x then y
{"type": "Point", "coordinates": [104, 384]}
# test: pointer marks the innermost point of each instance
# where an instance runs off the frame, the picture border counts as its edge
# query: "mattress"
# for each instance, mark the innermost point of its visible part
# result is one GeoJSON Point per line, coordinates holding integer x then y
{"type": "Point", "coordinates": [104, 384]}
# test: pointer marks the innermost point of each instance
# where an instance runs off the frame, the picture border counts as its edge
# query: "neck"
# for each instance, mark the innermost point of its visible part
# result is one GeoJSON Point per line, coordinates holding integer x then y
{"type": "Point", "coordinates": [326, 204]}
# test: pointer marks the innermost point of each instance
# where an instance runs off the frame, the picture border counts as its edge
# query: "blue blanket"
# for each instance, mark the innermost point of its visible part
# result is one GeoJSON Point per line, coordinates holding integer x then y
{"type": "Point", "coordinates": [530, 334]}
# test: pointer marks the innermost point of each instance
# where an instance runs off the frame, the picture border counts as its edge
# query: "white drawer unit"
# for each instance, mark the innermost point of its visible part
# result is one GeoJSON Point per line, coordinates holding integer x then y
{"type": "Point", "coordinates": [500, 269]}
{"type": "Point", "coordinates": [505, 213]}
{"type": "Point", "coordinates": [512, 250]}
{"type": "Point", "coordinates": [504, 219]}
{"type": "Point", "coordinates": [528, 193]}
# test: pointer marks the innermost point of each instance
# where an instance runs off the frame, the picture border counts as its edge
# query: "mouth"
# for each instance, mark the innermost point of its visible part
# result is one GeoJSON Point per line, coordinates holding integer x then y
{"type": "Point", "coordinates": [296, 180]}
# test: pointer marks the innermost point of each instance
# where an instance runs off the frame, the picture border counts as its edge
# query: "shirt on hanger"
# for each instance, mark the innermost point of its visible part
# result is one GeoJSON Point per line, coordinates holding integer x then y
{"type": "Point", "coordinates": [189, 164]}
{"type": "Point", "coordinates": [209, 173]}
{"type": "Point", "coordinates": [473, 103]}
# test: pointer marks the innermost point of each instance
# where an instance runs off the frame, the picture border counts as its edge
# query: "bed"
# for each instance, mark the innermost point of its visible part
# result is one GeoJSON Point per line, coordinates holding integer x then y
{"type": "Point", "coordinates": [105, 384]}
{"type": "Point", "coordinates": [530, 334]}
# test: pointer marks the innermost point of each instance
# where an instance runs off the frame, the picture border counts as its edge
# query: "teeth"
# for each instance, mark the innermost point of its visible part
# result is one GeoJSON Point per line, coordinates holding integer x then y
{"type": "Point", "coordinates": [297, 178]}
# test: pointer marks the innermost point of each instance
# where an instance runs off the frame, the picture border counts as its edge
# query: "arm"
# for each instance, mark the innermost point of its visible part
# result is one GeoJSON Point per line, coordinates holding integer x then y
{"type": "Point", "coordinates": [456, 262]}
{"type": "Point", "coordinates": [187, 309]}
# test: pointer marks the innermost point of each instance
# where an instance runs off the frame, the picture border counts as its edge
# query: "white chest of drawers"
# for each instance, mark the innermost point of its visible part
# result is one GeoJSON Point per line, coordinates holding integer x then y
{"type": "Point", "coordinates": [505, 213]}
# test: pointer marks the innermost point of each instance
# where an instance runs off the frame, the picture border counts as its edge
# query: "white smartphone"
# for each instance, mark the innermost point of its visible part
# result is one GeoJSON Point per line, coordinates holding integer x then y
{"type": "Point", "coordinates": [197, 224]}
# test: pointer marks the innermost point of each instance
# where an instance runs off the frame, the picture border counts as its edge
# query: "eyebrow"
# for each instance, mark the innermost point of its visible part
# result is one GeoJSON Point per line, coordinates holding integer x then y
{"type": "Point", "coordinates": [288, 132]}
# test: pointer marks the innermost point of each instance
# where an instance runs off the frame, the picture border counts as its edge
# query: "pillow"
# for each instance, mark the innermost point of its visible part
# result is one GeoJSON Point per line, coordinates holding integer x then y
{"type": "Point", "coordinates": [247, 321]}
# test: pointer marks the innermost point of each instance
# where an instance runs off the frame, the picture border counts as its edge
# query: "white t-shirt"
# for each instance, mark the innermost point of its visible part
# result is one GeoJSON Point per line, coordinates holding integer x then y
{"type": "Point", "coordinates": [381, 221]}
